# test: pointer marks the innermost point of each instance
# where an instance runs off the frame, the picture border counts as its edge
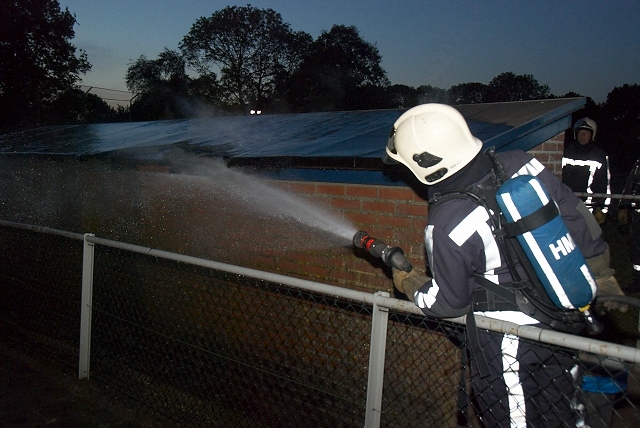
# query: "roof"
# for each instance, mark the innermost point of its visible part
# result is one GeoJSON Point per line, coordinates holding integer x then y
{"type": "Point", "coordinates": [292, 144]}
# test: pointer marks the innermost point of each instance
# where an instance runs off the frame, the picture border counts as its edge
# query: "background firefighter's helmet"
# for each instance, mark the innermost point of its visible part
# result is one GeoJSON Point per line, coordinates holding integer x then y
{"type": "Point", "coordinates": [433, 141]}
{"type": "Point", "coordinates": [585, 123]}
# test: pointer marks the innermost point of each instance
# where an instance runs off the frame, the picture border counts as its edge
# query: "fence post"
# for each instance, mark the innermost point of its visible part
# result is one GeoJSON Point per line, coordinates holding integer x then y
{"type": "Point", "coordinates": [379, 323]}
{"type": "Point", "coordinates": [86, 304]}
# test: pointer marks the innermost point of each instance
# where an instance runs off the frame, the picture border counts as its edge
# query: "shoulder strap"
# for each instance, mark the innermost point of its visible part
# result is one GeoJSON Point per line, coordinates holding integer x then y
{"type": "Point", "coordinates": [499, 174]}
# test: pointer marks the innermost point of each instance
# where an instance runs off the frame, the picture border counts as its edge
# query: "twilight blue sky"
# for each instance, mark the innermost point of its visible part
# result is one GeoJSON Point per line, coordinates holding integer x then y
{"type": "Point", "coordinates": [585, 46]}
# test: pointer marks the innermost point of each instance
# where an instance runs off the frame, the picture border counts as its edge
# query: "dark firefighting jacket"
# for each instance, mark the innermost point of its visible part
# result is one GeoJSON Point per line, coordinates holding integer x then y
{"type": "Point", "coordinates": [585, 169]}
{"type": "Point", "coordinates": [460, 243]}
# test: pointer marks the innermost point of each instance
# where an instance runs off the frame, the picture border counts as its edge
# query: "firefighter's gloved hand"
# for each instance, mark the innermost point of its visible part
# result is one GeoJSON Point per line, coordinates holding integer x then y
{"type": "Point", "coordinates": [408, 282]}
{"type": "Point", "coordinates": [600, 265]}
{"type": "Point", "coordinates": [623, 216]}
{"type": "Point", "coordinates": [609, 287]}
{"type": "Point", "coordinates": [599, 215]}
{"type": "Point", "coordinates": [607, 283]}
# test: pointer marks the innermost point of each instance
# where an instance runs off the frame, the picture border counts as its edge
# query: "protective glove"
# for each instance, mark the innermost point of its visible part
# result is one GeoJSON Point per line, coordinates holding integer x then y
{"type": "Point", "coordinates": [607, 283]}
{"type": "Point", "coordinates": [408, 283]}
{"type": "Point", "coordinates": [600, 264]}
{"type": "Point", "coordinates": [609, 287]}
{"type": "Point", "coordinates": [623, 216]}
{"type": "Point", "coordinates": [599, 215]}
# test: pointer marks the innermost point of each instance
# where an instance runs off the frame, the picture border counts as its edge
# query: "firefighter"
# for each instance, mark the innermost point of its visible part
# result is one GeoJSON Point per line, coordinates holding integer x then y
{"type": "Point", "coordinates": [585, 167]}
{"type": "Point", "coordinates": [522, 382]}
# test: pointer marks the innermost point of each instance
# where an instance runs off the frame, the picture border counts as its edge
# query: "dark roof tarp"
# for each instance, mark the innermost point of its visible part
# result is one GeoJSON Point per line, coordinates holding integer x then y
{"type": "Point", "coordinates": [303, 139]}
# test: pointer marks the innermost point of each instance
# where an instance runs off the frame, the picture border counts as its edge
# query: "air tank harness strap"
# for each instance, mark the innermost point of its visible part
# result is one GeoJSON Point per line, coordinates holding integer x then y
{"type": "Point", "coordinates": [532, 221]}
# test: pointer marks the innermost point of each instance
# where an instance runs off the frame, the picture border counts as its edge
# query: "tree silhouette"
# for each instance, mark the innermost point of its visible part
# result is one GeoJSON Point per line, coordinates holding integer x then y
{"type": "Point", "coordinates": [37, 60]}
{"type": "Point", "coordinates": [402, 96]}
{"type": "Point", "coordinates": [511, 87]}
{"type": "Point", "coordinates": [169, 70]}
{"type": "Point", "coordinates": [619, 127]}
{"type": "Point", "coordinates": [161, 86]}
{"type": "Point", "coordinates": [468, 93]}
{"type": "Point", "coordinates": [253, 48]}
{"type": "Point", "coordinates": [431, 94]}
{"type": "Point", "coordinates": [341, 71]}
{"type": "Point", "coordinates": [75, 106]}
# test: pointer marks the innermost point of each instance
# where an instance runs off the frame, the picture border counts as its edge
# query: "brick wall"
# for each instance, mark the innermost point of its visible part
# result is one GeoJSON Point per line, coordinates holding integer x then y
{"type": "Point", "coordinates": [550, 154]}
{"type": "Point", "coordinates": [395, 215]}
{"type": "Point", "coordinates": [196, 215]}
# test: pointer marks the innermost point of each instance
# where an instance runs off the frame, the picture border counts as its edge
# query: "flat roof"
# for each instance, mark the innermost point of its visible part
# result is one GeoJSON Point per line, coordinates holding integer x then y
{"type": "Point", "coordinates": [289, 144]}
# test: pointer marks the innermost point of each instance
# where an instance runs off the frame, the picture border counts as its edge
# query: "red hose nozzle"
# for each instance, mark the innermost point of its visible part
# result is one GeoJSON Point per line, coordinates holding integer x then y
{"type": "Point", "coordinates": [391, 256]}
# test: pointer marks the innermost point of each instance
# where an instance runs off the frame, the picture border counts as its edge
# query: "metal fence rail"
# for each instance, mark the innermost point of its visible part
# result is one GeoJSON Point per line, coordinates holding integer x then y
{"type": "Point", "coordinates": [193, 342]}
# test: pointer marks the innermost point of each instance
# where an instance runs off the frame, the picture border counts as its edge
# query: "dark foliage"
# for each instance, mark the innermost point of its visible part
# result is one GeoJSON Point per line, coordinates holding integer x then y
{"type": "Point", "coordinates": [508, 86]}
{"type": "Point", "coordinates": [74, 106]}
{"type": "Point", "coordinates": [162, 87]}
{"type": "Point", "coordinates": [253, 49]}
{"type": "Point", "coordinates": [468, 93]}
{"type": "Point", "coordinates": [340, 71]}
{"type": "Point", "coordinates": [38, 63]}
{"type": "Point", "coordinates": [619, 127]}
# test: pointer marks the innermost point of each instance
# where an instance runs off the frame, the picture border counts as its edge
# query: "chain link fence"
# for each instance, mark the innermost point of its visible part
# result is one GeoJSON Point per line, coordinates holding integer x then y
{"type": "Point", "coordinates": [189, 345]}
{"type": "Point", "coordinates": [40, 304]}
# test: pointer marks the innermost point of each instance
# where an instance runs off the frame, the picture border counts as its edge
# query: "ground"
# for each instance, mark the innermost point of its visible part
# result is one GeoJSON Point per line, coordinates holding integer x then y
{"type": "Point", "coordinates": [36, 394]}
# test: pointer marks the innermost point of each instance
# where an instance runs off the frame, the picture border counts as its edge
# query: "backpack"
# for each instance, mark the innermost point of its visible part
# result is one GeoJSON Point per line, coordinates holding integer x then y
{"type": "Point", "coordinates": [529, 291]}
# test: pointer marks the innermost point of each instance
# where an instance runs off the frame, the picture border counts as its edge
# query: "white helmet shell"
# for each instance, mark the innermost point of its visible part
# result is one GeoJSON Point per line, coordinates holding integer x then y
{"type": "Point", "coordinates": [585, 123]}
{"type": "Point", "coordinates": [433, 141]}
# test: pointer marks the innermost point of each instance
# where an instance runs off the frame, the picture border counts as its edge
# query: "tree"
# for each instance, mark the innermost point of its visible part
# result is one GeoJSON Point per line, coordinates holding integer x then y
{"type": "Point", "coordinates": [206, 89]}
{"type": "Point", "coordinates": [591, 109]}
{"type": "Point", "coordinates": [468, 93]}
{"type": "Point", "coordinates": [253, 49]}
{"type": "Point", "coordinates": [402, 96]}
{"type": "Point", "coordinates": [160, 85]}
{"type": "Point", "coordinates": [169, 70]}
{"type": "Point", "coordinates": [75, 106]}
{"type": "Point", "coordinates": [571, 94]}
{"type": "Point", "coordinates": [37, 60]}
{"type": "Point", "coordinates": [431, 94]}
{"type": "Point", "coordinates": [511, 87]}
{"type": "Point", "coordinates": [341, 71]}
{"type": "Point", "coordinates": [619, 127]}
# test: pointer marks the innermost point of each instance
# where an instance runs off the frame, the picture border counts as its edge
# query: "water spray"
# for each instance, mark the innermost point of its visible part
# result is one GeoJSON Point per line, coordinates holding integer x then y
{"type": "Point", "coordinates": [391, 256]}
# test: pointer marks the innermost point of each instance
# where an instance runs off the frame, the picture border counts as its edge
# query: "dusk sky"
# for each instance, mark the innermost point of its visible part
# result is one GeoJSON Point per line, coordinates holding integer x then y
{"type": "Point", "coordinates": [588, 47]}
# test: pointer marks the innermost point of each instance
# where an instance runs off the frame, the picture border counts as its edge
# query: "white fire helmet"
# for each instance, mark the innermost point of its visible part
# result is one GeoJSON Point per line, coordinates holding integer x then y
{"type": "Point", "coordinates": [585, 123]}
{"type": "Point", "coordinates": [433, 141]}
